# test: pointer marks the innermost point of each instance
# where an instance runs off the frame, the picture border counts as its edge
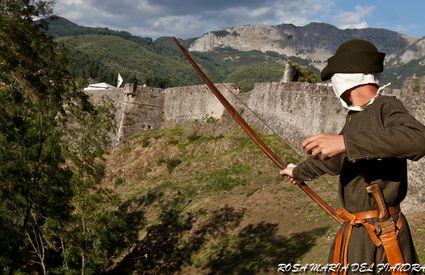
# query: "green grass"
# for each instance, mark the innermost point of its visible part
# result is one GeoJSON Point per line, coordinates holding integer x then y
{"type": "Point", "coordinates": [119, 181]}
{"type": "Point", "coordinates": [417, 87]}
{"type": "Point", "coordinates": [193, 137]}
{"type": "Point", "coordinates": [225, 178]}
{"type": "Point", "coordinates": [214, 203]}
{"type": "Point", "coordinates": [171, 163]}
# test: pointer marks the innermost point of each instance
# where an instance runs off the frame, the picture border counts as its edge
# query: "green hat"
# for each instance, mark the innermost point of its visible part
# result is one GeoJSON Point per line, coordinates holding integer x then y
{"type": "Point", "coordinates": [354, 56]}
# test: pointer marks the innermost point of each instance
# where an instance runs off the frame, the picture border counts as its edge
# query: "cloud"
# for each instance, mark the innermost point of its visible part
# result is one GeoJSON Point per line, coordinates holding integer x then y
{"type": "Point", "coordinates": [353, 19]}
{"type": "Point", "coordinates": [405, 28]}
{"type": "Point", "coordinates": [188, 18]}
{"type": "Point", "coordinates": [292, 12]}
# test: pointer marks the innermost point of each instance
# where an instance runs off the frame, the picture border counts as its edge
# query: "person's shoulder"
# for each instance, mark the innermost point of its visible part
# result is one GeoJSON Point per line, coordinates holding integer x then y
{"type": "Point", "coordinates": [388, 100]}
{"type": "Point", "coordinates": [384, 104]}
{"type": "Point", "coordinates": [390, 104]}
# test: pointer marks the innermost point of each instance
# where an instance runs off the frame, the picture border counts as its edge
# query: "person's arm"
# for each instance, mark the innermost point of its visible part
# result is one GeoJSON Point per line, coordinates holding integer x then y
{"type": "Point", "coordinates": [312, 168]}
{"type": "Point", "coordinates": [401, 137]}
{"type": "Point", "coordinates": [327, 153]}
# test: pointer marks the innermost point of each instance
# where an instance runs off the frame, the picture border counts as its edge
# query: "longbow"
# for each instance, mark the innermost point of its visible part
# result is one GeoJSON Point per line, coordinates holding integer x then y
{"type": "Point", "coordinates": [254, 137]}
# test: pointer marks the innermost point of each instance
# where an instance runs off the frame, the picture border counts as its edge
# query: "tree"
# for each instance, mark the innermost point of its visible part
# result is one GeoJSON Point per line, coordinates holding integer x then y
{"type": "Point", "coordinates": [304, 75]}
{"type": "Point", "coordinates": [26, 9]}
{"type": "Point", "coordinates": [39, 100]}
{"type": "Point", "coordinates": [87, 139]}
{"type": "Point", "coordinates": [158, 81]}
{"type": "Point", "coordinates": [34, 90]}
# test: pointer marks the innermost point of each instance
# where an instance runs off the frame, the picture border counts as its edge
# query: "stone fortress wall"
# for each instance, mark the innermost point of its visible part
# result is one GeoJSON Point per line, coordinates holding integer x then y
{"type": "Point", "coordinates": [293, 110]}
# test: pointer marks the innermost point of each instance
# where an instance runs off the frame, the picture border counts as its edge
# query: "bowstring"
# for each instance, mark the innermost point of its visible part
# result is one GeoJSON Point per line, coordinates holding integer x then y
{"type": "Point", "coordinates": [261, 119]}
{"type": "Point", "coordinates": [249, 109]}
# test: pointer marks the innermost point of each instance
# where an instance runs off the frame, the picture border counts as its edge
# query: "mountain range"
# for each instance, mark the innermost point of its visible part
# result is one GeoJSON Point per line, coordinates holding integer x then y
{"type": "Point", "coordinates": [241, 54]}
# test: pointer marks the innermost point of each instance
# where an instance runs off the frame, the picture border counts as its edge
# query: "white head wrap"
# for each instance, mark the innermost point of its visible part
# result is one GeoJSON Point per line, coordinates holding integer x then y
{"type": "Point", "coordinates": [342, 82]}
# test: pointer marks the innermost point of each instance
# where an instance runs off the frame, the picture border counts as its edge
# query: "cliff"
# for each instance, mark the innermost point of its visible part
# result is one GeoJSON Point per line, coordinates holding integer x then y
{"type": "Point", "coordinates": [315, 42]}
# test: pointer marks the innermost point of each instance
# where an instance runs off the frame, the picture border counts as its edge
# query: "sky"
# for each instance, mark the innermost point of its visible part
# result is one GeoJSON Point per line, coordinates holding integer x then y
{"type": "Point", "coordinates": [192, 18]}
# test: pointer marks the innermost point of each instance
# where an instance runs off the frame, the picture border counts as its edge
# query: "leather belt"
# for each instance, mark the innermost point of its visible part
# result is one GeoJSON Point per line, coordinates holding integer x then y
{"type": "Point", "coordinates": [388, 239]}
{"type": "Point", "coordinates": [374, 213]}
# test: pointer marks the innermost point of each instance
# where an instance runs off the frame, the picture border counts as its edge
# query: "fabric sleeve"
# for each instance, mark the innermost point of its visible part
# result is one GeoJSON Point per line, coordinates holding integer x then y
{"type": "Point", "coordinates": [312, 168]}
{"type": "Point", "coordinates": [401, 136]}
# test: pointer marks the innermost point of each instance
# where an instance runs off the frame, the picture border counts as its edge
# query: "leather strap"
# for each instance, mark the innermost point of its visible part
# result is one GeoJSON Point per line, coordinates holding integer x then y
{"type": "Point", "coordinates": [387, 238]}
{"type": "Point", "coordinates": [374, 213]}
{"type": "Point", "coordinates": [391, 246]}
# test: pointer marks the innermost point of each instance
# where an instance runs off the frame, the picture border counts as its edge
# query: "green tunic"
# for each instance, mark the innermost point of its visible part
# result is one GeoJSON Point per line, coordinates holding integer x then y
{"type": "Point", "coordinates": [379, 140]}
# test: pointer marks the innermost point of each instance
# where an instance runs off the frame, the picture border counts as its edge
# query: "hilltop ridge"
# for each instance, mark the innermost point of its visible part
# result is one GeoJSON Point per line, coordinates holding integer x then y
{"type": "Point", "coordinates": [315, 42]}
{"type": "Point", "coordinates": [224, 52]}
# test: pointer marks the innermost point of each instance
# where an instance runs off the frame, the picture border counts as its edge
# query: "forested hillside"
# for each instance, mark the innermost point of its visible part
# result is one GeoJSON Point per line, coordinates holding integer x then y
{"type": "Point", "coordinates": [130, 60]}
{"type": "Point", "coordinates": [101, 53]}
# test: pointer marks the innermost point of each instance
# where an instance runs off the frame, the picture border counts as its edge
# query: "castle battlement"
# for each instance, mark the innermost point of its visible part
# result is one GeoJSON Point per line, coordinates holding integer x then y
{"type": "Point", "coordinates": [294, 110]}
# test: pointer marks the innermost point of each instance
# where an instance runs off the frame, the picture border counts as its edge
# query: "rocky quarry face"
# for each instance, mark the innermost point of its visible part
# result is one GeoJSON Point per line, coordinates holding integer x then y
{"type": "Point", "coordinates": [315, 42]}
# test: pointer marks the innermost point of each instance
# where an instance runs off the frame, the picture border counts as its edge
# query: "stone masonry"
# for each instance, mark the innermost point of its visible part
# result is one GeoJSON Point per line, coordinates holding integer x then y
{"type": "Point", "coordinates": [293, 110]}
